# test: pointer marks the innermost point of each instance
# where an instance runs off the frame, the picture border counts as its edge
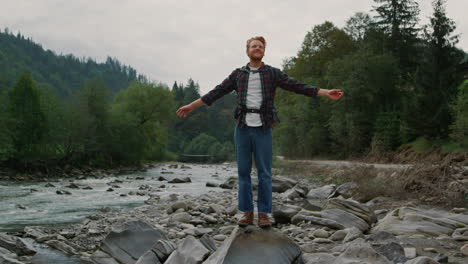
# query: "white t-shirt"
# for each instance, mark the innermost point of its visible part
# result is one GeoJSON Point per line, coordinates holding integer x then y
{"type": "Point", "coordinates": [254, 98]}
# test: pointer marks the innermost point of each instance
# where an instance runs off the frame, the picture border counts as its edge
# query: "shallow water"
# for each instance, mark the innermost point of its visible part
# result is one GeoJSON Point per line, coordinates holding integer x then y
{"type": "Point", "coordinates": [45, 207]}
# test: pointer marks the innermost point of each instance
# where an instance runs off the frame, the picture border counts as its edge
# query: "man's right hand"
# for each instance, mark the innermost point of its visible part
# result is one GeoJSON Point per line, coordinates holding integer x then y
{"type": "Point", "coordinates": [184, 110]}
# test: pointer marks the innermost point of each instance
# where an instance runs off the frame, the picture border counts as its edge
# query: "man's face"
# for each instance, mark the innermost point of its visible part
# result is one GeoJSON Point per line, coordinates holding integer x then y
{"type": "Point", "coordinates": [256, 50]}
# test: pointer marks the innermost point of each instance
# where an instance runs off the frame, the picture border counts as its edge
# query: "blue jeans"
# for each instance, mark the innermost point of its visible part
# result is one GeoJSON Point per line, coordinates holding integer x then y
{"type": "Point", "coordinates": [256, 141]}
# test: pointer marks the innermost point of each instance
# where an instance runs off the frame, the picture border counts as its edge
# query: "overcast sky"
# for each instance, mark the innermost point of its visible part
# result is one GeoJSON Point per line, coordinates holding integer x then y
{"type": "Point", "coordinates": [173, 40]}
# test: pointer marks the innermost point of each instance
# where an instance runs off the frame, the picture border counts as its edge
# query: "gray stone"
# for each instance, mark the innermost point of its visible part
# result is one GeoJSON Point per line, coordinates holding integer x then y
{"type": "Point", "coordinates": [101, 257]}
{"type": "Point", "coordinates": [163, 249]}
{"type": "Point", "coordinates": [316, 220]}
{"type": "Point", "coordinates": [321, 193]}
{"type": "Point", "coordinates": [393, 252]}
{"type": "Point", "coordinates": [352, 234]}
{"type": "Point", "coordinates": [148, 258]}
{"type": "Point", "coordinates": [182, 217]}
{"type": "Point", "coordinates": [410, 253]}
{"type": "Point", "coordinates": [190, 251]}
{"type": "Point", "coordinates": [422, 260]}
{"type": "Point", "coordinates": [320, 233]}
{"type": "Point", "coordinates": [209, 243]}
{"type": "Point", "coordinates": [127, 243]}
{"type": "Point", "coordinates": [8, 260]}
{"type": "Point", "coordinates": [62, 246]}
{"type": "Point", "coordinates": [464, 249]}
{"type": "Point", "coordinates": [180, 180]}
{"type": "Point", "coordinates": [179, 205]}
{"type": "Point", "coordinates": [409, 221]}
{"type": "Point", "coordinates": [361, 252]}
{"type": "Point", "coordinates": [229, 184]}
{"type": "Point", "coordinates": [358, 209]}
{"type": "Point", "coordinates": [283, 213]}
{"type": "Point", "coordinates": [17, 245]}
{"type": "Point", "coordinates": [339, 235]}
{"type": "Point", "coordinates": [321, 258]}
{"type": "Point", "coordinates": [211, 184]}
{"type": "Point", "coordinates": [253, 245]}
{"type": "Point", "coordinates": [281, 184]}
{"type": "Point", "coordinates": [460, 234]}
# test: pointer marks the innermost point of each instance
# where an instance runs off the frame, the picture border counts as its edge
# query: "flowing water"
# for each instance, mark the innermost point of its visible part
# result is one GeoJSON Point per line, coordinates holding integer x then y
{"type": "Point", "coordinates": [31, 203]}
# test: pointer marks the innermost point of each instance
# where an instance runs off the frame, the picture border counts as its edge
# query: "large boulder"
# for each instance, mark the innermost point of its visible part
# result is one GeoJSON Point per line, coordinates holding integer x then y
{"type": "Point", "coordinates": [428, 222]}
{"type": "Point", "coordinates": [16, 245]}
{"type": "Point", "coordinates": [127, 243]}
{"type": "Point", "coordinates": [253, 245]}
{"type": "Point", "coordinates": [281, 184]}
{"type": "Point", "coordinates": [317, 198]}
{"type": "Point", "coordinates": [284, 212]}
{"type": "Point", "coordinates": [356, 208]}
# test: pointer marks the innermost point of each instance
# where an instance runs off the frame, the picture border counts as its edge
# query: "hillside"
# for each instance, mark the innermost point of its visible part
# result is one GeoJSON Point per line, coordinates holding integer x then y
{"type": "Point", "coordinates": [63, 74]}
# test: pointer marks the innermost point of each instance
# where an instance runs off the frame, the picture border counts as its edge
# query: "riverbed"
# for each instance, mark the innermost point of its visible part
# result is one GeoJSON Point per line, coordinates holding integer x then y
{"type": "Point", "coordinates": [33, 203]}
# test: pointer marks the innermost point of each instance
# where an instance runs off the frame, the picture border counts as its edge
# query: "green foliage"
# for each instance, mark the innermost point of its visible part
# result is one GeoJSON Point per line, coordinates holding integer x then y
{"type": "Point", "coordinates": [460, 111]}
{"type": "Point", "coordinates": [25, 118]}
{"type": "Point", "coordinates": [387, 132]}
{"type": "Point", "coordinates": [65, 74]}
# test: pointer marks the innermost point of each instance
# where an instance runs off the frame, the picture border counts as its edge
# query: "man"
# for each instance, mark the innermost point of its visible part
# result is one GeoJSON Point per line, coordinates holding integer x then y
{"type": "Point", "coordinates": [255, 114]}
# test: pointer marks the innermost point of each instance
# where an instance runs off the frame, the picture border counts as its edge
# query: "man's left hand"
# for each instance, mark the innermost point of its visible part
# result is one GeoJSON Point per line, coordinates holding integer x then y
{"type": "Point", "coordinates": [334, 94]}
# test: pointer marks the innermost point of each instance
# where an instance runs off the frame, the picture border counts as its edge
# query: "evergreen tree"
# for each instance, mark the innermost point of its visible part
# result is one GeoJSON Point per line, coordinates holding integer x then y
{"type": "Point", "coordinates": [438, 78]}
{"type": "Point", "coordinates": [398, 19]}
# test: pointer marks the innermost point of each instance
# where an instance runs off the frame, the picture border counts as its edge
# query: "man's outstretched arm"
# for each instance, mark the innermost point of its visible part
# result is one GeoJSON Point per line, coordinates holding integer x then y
{"type": "Point", "coordinates": [333, 94]}
{"type": "Point", "coordinates": [186, 109]}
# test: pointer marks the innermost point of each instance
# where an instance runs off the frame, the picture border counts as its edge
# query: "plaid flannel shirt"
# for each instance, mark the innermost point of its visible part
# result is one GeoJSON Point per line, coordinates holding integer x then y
{"type": "Point", "coordinates": [270, 78]}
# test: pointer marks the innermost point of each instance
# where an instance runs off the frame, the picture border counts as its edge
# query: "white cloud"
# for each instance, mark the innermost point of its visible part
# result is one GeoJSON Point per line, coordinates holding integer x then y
{"type": "Point", "coordinates": [173, 40]}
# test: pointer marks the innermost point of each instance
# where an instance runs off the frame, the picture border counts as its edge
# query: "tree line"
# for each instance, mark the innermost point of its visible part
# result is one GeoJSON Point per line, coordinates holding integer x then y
{"type": "Point", "coordinates": [404, 85]}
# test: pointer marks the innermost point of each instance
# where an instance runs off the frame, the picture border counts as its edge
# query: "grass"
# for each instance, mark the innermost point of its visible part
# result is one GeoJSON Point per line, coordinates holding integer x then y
{"type": "Point", "coordinates": [422, 145]}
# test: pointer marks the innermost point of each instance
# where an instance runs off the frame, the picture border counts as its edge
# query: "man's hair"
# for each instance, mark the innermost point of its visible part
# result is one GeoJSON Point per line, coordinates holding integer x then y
{"type": "Point", "coordinates": [260, 38]}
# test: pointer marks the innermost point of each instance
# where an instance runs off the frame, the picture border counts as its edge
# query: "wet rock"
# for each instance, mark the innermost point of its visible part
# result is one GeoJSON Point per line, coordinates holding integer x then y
{"type": "Point", "coordinates": [73, 186]}
{"type": "Point", "coordinates": [190, 251]}
{"type": "Point", "coordinates": [252, 245]}
{"type": "Point", "coordinates": [16, 245]}
{"type": "Point", "coordinates": [101, 257]}
{"type": "Point", "coordinates": [20, 206]}
{"type": "Point", "coordinates": [49, 185]}
{"type": "Point", "coordinates": [212, 184]}
{"type": "Point", "coordinates": [62, 246]}
{"type": "Point", "coordinates": [8, 260]}
{"type": "Point", "coordinates": [62, 192]}
{"type": "Point", "coordinates": [180, 180]}
{"type": "Point", "coordinates": [161, 178]}
{"type": "Point", "coordinates": [127, 243]}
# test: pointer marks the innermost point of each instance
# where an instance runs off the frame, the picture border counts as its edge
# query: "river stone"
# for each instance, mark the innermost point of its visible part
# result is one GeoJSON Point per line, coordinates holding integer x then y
{"type": "Point", "coordinates": [422, 260]}
{"type": "Point", "coordinates": [321, 193]}
{"type": "Point", "coordinates": [320, 233]}
{"type": "Point", "coordinates": [179, 205]}
{"type": "Point", "coordinates": [253, 245]}
{"type": "Point", "coordinates": [409, 221]}
{"type": "Point", "coordinates": [284, 212]}
{"type": "Point", "coordinates": [339, 235]}
{"type": "Point", "coordinates": [127, 243]}
{"type": "Point", "coordinates": [316, 220]}
{"type": "Point", "coordinates": [211, 184]}
{"type": "Point", "coordinates": [281, 184]}
{"type": "Point", "coordinates": [7, 260]}
{"type": "Point", "coordinates": [101, 257]}
{"type": "Point", "coordinates": [62, 246]}
{"type": "Point", "coordinates": [190, 251]}
{"type": "Point", "coordinates": [460, 234]}
{"type": "Point", "coordinates": [322, 258]}
{"type": "Point", "coordinates": [393, 252]}
{"type": "Point", "coordinates": [464, 249]}
{"type": "Point", "coordinates": [352, 234]}
{"type": "Point", "coordinates": [163, 249]}
{"type": "Point", "coordinates": [180, 180]}
{"type": "Point", "coordinates": [361, 252]}
{"type": "Point", "coordinates": [148, 258]}
{"type": "Point", "coordinates": [358, 209]}
{"type": "Point", "coordinates": [229, 184]}
{"type": "Point", "coordinates": [209, 243]}
{"type": "Point", "coordinates": [182, 217]}
{"type": "Point", "coordinates": [17, 245]}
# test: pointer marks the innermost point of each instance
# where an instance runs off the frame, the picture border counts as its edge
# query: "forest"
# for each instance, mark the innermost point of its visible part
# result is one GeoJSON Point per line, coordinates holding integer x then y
{"type": "Point", "coordinates": [405, 86]}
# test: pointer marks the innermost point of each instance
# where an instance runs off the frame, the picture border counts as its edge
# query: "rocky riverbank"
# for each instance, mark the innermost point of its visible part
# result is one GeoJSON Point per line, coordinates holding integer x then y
{"type": "Point", "coordinates": [313, 224]}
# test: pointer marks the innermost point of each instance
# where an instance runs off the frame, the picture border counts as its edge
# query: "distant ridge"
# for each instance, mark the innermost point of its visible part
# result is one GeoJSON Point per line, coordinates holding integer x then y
{"type": "Point", "coordinates": [63, 74]}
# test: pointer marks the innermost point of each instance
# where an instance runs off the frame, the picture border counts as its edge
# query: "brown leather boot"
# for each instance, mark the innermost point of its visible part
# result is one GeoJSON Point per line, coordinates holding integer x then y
{"type": "Point", "coordinates": [263, 220]}
{"type": "Point", "coordinates": [246, 219]}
